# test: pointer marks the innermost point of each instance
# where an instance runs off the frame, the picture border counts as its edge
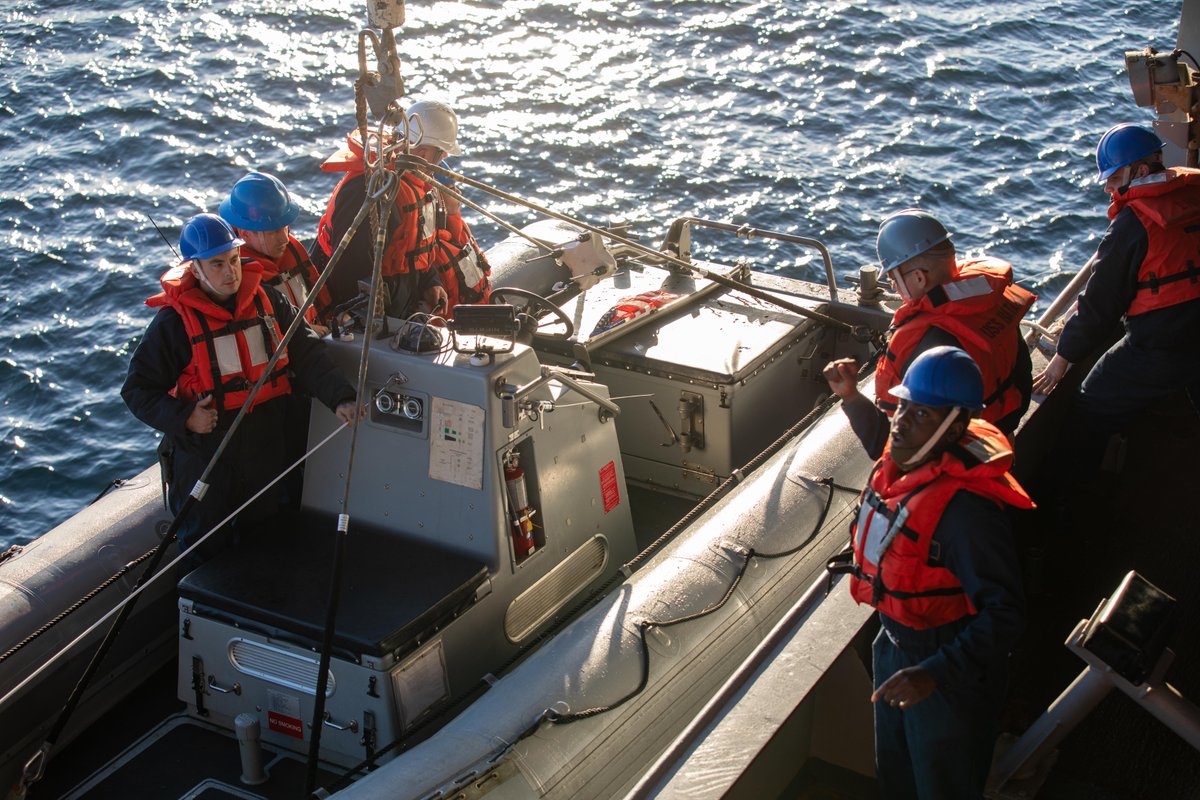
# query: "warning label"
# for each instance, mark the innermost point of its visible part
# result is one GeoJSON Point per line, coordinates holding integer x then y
{"type": "Point", "coordinates": [608, 487]}
{"type": "Point", "coordinates": [283, 714]}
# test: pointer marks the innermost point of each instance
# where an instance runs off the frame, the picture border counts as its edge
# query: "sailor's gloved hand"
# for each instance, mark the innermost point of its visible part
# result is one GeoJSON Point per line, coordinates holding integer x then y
{"type": "Point", "coordinates": [203, 418]}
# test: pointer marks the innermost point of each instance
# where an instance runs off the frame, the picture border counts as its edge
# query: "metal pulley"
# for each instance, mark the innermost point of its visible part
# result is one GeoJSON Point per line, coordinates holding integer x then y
{"type": "Point", "coordinates": [385, 14]}
{"type": "Point", "coordinates": [383, 84]}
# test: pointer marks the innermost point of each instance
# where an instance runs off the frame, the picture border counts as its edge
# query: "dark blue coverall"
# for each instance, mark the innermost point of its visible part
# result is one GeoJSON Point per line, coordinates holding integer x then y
{"type": "Point", "coordinates": [941, 748]}
{"type": "Point", "coordinates": [1159, 353]}
{"type": "Point", "coordinates": [257, 452]}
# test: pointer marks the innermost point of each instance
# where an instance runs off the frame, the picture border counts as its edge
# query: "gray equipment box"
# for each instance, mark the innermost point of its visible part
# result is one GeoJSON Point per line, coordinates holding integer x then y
{"type": "Point", "coordinates": [711, 365]}
{"type": "Point", "coordinates": [252, 621]}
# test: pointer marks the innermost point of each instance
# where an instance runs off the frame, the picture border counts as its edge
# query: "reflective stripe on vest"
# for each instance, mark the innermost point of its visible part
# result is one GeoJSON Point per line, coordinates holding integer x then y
{"type": "Point", "coordinates": [982, 309]}
{"type": "Point", "coordinates": [894, 564]}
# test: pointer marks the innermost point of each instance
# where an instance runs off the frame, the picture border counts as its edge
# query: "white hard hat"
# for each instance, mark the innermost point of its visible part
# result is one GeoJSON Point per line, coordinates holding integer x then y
{"type": "Point", "coordinates": [438, 125]}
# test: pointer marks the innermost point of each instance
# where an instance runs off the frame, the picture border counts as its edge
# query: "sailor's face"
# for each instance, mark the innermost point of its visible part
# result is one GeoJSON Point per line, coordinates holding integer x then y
{"type": "Point", "coordinates": [220, 275]}
{"type": "Point", "coordinates": [432, 154]}
{"type": "Point", "coordinates": [910, 284]}
{"type": "Point", "coordinates": [270, 243]}
{"type": "Point", "coordinates": [912, 426]}
{"type": "Point", "coordinates": [1117, 181]}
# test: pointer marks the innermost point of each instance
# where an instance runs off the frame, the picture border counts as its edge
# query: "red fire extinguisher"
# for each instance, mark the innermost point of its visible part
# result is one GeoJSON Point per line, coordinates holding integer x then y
{"type": "Point", "coordinates": [518, 502]}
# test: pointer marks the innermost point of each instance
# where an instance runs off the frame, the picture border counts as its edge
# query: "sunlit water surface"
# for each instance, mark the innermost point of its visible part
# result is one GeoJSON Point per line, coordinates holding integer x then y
{"type": "Point", "coordinates": [811, 117]}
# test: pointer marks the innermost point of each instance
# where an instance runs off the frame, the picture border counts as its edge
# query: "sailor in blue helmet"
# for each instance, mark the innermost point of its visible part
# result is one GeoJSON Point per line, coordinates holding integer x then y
{"type": "Point", "coordinates": [1145, 273]}
{"type": "Point", "coordinates": [216, 328]}
{"type": "Point", "coordinates": [932, 550]}
{"type": "Point", "coordinates": [970, 303]}
{"type": "Point", "coordinates": [261, 211]}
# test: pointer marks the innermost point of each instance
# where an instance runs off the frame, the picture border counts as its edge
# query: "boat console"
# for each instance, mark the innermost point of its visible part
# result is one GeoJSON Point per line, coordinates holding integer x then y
{"type": "Point", "coordinates": [485, 497]}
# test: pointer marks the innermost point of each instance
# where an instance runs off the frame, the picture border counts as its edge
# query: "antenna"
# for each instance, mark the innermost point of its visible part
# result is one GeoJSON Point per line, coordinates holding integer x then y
{"type": "Point", "coordinates": [163, 235]}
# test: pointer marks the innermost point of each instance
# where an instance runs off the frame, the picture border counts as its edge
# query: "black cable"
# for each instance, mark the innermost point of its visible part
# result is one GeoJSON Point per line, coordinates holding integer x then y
{"type": "Point", "coordinates": [1183, 52]}
{"type": "Point", "coordinates": [566, 719]}
{"type": "Point", "coordinates": [113, 484]}
{"type": "Point", "coordinates": [387, 196]}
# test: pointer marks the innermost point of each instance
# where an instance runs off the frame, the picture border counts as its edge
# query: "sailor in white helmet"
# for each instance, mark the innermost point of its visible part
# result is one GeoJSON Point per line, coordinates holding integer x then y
{"type": "Point", "coordinates": [458, 258]}
{"type": "Point", "coordinates": [412, 225]}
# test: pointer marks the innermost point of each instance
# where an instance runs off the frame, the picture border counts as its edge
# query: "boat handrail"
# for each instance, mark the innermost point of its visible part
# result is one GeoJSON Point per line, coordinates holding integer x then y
{"type": "Point", "coordinates": [511, 396]}
{"type": "Point", "coordinates": [678, 242]}
{"type": "Point", "coordinates": [409, 162]}
{"type": "Point", "coordinates": [1061, 303]}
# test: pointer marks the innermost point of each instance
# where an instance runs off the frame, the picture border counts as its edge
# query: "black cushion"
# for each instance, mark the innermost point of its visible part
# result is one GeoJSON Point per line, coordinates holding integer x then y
{"type": "Point", "coordinates": [395, 592]}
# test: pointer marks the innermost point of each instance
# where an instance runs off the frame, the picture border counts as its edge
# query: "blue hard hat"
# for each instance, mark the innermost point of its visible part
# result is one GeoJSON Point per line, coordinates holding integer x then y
{"type": "Point", "coordinates": [905, 235]}
{"type": "Point", "coordinates": [1122, 145]}
{"type": "Point", "coordinates": [943, 377]}
{"type": "Point", "coordinates": [205, 236]}
{"type": "Point", "coordinates": [259, 202]}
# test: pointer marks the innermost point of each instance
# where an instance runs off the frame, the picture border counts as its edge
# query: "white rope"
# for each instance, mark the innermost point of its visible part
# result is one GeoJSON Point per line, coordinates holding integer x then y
{"type": "Point", "coordinates": [165, 570]}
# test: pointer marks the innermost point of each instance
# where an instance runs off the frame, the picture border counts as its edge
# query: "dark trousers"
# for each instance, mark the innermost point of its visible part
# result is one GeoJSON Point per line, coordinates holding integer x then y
{"type": "Point", "coordinates": [1125, 382]}
{"type": "Point", "coordinates": [940, 748]}
{"type": "Point", "coordinates": [256, 455]}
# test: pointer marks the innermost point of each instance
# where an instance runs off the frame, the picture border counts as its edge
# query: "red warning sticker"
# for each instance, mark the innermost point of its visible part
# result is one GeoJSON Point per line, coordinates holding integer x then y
{"type": "Point", "coordinates": [608, 487]}
{"type": "Point", "coordinates": [283, 714]}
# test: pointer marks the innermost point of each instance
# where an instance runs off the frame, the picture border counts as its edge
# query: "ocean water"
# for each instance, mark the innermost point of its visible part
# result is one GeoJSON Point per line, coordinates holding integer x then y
{"type": "Point", "coordinates": [817, 118]}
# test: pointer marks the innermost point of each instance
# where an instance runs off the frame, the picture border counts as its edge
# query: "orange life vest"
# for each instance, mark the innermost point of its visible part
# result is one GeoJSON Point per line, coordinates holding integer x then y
{"type": "Point", "coordinates": [412, 250]}
{"type": "Point", "coordinates": [982, 308]}
{"type": "Point", "coordinates": [229, 349]}
{"type": "Point", "coordinates": [898, 512]}
{"type": "Point", "coordinates": [1168, 205]}
{"type": "Point", "coordinates": [463, 268]}
{"type": "Point", "coordinates": [413, 221]}
{"type": "Point", "coordinates": [293, 274]}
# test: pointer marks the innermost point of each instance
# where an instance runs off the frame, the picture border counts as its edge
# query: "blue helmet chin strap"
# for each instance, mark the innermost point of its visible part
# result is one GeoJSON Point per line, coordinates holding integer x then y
{"type": "Point", "coordinates": [198, 271]}
{"type": "Point", "coordinates": [936, 436]}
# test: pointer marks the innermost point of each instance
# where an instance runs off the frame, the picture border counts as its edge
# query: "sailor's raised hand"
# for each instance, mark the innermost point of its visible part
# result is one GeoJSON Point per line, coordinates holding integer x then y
{"type": "Point", "coordinates": [843, 377]}
{"type": "Point", "coordinates": [203, 418]}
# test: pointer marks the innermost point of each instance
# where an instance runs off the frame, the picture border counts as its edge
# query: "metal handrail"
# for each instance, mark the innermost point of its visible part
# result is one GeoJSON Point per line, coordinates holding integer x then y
{"type": "Point", "coordinates": [745, 231]}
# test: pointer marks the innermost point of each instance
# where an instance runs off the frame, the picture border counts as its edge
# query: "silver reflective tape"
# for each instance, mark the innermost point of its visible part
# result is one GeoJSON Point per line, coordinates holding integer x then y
{"type": "Point", "coordinates": [970, 287]}
{"type": "Point", "coordinates": [255, 346]}
{"type": "Point", "coordinates": [297, 289]}
{"type": "Point", "coordinates": [428, 219]}
{"type": "Point", "coordinates": [228, 360]}
{"type": "Point", "coordinates": [470, 269]}
{"type": "Point", "coordinates": [881, 533]}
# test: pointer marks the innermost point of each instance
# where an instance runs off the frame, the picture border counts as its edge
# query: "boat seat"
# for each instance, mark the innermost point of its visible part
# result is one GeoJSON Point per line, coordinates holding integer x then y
{"type": "Point", "coordinates": [395, 591]}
